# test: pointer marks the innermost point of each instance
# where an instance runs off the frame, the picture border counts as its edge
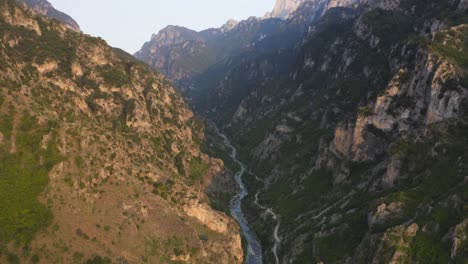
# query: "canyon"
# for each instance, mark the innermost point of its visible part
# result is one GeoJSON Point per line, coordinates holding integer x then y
{"type": "Point", "coordinates": [325, 131]}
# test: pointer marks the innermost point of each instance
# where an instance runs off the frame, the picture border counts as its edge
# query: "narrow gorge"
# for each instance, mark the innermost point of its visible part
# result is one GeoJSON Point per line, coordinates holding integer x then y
{"type": "Point", "coordinates": [324, 131]}
{"type": "Point", "coordinates": [254, 248]}
{"type": "Point", "coordinates": [350, 117]}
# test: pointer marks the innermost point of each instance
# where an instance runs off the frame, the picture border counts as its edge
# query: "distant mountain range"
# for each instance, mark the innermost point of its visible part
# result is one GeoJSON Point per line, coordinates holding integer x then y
{"type": "Point", "coordinates": [181, 53]}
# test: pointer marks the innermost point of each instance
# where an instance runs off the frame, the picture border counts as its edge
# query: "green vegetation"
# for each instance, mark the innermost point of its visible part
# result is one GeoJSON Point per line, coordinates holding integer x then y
{"type": "Point", "coordinates": [197, 169]}
{"type": "Point", "coordinates": [98, 260]}
{"type": "Point", "coordinates": [427, 249]}
{"type": "Point", "coordinates": [30, 73]}
{"type": "Point", "coordinates": [384, 21]}
{"type": "Point", "coordinates": [163, 189]}
{"type": "Point", "coordinates": [341, 243]}
{"type": "Point", "coordinates": [114, 76]}
{"type": "Point", "coordinates": [453, 45]}
{"type": "Point", "coordinates": [451, 50]}
{"type": "Point", "coordinates": [23, 176]}
{"type": "Point", "coordinates": [254, 136]}
{"type": "Point", "coordinates": [288, 203]}
{"type": "Point", "coordinates": [217, 152]}
{"type": "Point", "coordinates": [79, 161]}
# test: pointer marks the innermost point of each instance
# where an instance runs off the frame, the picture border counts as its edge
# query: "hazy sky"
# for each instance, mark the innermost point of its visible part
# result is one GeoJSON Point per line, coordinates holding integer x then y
{"type": "Point", "coordinates": [128, 24]}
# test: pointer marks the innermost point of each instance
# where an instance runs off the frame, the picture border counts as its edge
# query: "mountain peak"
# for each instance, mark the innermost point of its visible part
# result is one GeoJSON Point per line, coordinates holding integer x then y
{"type": "Point", "coordinates": [230, 24]}
{"type": "Point", "coordinates": [283, 8]}
{"type": "Point", "coordinates": [45, 8]}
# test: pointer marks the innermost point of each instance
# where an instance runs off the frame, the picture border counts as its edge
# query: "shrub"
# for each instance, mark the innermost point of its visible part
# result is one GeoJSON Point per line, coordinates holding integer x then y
{"type": "Point", "coordinates": [98, 260]}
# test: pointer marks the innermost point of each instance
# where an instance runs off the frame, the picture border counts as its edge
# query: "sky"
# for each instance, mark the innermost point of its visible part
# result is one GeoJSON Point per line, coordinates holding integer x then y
{"type": "Point", "coordinates": [129, 24]}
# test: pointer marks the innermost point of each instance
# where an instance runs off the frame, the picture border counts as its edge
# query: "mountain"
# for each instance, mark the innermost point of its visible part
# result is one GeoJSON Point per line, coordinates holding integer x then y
{"type": "Point", "coordinates": [358, 142]}
{"type": "Point", "coordinates": [100, 157]}
{"type": "Point", "coordinates": [45, 8]}
{"type": "Point", "coordinates": [354, 130]}
{"type": "Point", "coordinates": [184, 55]}
{"type": "Point", "coordinates": [181, 53]}
{"type": "Point", "coordinates": [283, 8]}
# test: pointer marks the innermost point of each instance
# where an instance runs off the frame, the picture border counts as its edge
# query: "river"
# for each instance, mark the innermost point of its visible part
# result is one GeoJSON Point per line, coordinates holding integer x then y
{"type": "Point", "coordinates": [254, 252]}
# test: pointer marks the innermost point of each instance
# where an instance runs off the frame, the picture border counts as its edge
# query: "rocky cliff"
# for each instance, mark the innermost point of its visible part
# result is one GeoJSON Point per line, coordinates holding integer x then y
{"type": "Point", "coordinates": [100, 157]}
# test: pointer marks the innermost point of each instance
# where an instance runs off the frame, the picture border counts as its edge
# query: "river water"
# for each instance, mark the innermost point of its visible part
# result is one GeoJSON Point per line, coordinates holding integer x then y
{"type": "Point", "coordinates": [254, 253]}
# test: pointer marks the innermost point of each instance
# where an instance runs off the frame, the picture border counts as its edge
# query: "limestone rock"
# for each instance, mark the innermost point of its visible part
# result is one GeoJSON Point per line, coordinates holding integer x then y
{"type": "Point", "coordinates": [213, 220]}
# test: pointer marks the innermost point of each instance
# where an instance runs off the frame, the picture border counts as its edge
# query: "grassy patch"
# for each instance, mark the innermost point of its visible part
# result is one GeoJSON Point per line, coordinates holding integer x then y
{"type": "Point", "coordinates": [23, 176]}
{"type": "Point", "coordinates": [197, 169]}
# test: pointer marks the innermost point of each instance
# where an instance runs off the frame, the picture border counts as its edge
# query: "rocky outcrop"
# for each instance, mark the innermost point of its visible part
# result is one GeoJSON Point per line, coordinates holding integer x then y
{"type": "Point", "coordinates": [460, 240]}
{"type": "Point", "coordinates": [229, 25]}
{"type": "Point", "coordinates": [393, 245]}
{"type": "Point", "coordinates": [463, 5]}
{"type": "Point", "coordinates": [208, 217]}
{"type": "Point", "coordinates": [385, 213]}
{"type": "Point", "coordinates": [446, 95]}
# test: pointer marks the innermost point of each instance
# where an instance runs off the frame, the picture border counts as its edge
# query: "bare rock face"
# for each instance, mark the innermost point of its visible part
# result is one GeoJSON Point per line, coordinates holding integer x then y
{"type": "Point", "coordinates": [446, 97]}
{"type": "Point", "coordinates": [384, 213]}
{"type": "Point", "coordinates": [229, 25]}
{"type": "Point", "coordinates": [392, 173]}
{"type": "Point", "coordinates": [45, 8]}
{"type": "Point", "coordinates": [358, 142]}
{"type": "Point", "coordinates": [284, 9]}
{"type": "Point", "coordinates": [460, 236]}
{"type": "Point", "coordinates": [213, 220]}
{"type": "Point", "coordinates": [463, 5]}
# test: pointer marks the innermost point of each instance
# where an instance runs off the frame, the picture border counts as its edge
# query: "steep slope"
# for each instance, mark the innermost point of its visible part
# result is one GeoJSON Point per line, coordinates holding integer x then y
{"type": "Point", "coordinates": [359, 145]}
{"type": "Point", "coordinates": [45, 8]}
{"type": "Point", "coordinates": [99, 156]}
